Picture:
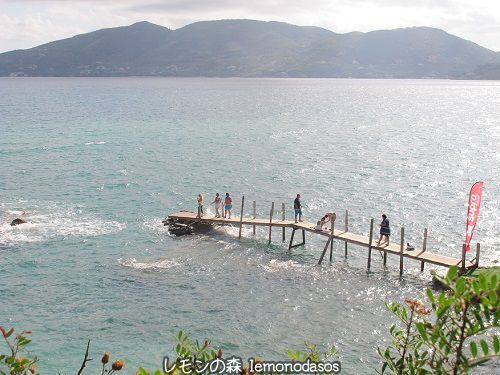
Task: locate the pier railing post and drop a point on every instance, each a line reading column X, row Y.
column 332, row 228
column 463, row 257
column 346, row 227
column 241, row 215
column 401, row 249
column 478, row 250
column 254, row 204
column 283, row 219
column 370, row 239
column 271, row 221
column 424, row 247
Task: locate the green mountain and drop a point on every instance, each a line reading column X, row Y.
column 246, row 48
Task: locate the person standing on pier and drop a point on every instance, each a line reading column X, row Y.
column 228, row 206
column 297, row 206
column 385, row 230
column 200, row 205
column 218, row 204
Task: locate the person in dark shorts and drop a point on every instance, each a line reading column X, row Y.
column 385, row 230
column 297, row 206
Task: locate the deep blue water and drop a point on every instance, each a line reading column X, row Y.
column 97, row 163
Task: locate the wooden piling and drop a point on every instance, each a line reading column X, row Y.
column 283, row 219
column 463, row 257
column 478, row 250
column 271, row 221
column 346, row 227
column 401, row 249
column 424, row 247
column 291, row 239
column 332, row 229
column 324, row 250
column 241, row 215
column 370, row 240
column 254, row 204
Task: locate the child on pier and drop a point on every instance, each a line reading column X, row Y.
column 200, row 205
column 385, row 230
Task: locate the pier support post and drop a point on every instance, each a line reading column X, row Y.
column 370, row 244
column 330, row 239
column 424, row 247
column 478, row 250
column 346, row 227
column 291, row 245
column 463, row 258
column 283, row 219
column 254, row 204
column 291, row 239
column 401, row 249
column 332, row 229
column 271, row 221
column 241, row 215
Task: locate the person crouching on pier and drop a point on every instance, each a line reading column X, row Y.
column 200, row 205
column 385, row 230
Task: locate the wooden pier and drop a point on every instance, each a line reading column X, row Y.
column 333, row 233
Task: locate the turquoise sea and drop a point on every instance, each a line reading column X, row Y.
column 96, row 163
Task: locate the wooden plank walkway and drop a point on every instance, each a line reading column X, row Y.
column 423, row 256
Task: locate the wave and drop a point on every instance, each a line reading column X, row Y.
column 156, row 265
column 95, row 143
column 51, row 221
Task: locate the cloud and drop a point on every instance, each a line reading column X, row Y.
column 27, row 23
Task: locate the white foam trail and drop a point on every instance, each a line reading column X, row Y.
column 155, row 225
column 157, row 265
column 44, row 223
column 95, row 143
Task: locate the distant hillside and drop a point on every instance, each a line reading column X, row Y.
column 246, row 48
column 486, row 71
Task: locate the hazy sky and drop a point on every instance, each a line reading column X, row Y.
column 27, row 23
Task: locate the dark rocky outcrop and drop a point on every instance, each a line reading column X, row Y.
column 180, row 227
column 17, row 222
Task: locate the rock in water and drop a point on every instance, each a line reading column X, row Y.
column 17, row 222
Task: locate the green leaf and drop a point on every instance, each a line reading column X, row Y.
column 421, row 330
column 483, row 281
column 452, row 272
column 496, row 344
column 179, row 335
column 493, row 297
column 384, row 367
column 493, row 282
column 143, row 372
column 430, row 295
column 473, row 349
column 484, row 346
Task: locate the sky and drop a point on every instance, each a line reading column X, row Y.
column 28, row 23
